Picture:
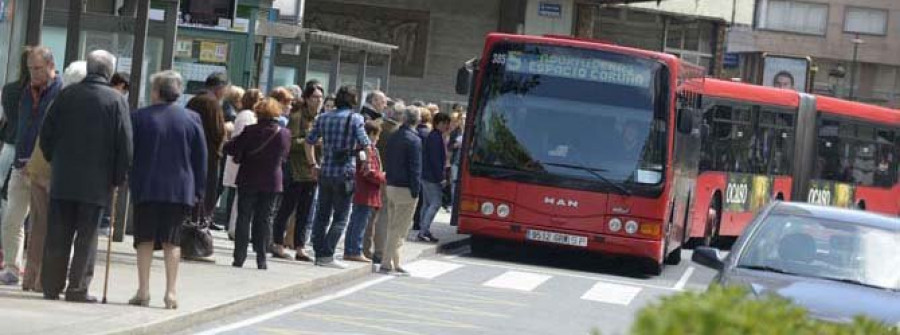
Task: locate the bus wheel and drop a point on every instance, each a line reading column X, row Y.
column 713, row 221
column 479, row 245
column 674, row 258
column 652, row 267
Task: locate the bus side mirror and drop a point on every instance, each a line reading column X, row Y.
column 685, row 123
column 463, row 78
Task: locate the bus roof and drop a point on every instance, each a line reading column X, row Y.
column 750, row 92
column 857, row 110
column 583, row 43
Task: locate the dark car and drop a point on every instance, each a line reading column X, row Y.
column 837, row 263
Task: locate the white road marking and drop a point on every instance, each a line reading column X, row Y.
column 296, row 307
column 684, row 278
column 612, row 293
column 562, row 273
column 515, row 280
column 429, row 269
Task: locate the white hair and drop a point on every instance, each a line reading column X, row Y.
column 101, row 62
column 75, row 73
column 168, row 84
column 411, row 116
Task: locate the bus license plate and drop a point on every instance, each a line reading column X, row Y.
column 558, row 238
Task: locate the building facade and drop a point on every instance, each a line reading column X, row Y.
column 828, row 32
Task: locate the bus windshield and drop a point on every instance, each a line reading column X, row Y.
column 561, row 113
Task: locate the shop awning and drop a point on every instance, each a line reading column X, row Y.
column 345, row 41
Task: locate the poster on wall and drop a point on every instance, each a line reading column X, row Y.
column 786, row 72
column 213, row 52
column 184, row 48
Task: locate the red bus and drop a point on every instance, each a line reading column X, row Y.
column 761, row 143
column 581, row 144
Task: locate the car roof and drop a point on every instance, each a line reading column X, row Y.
column 854, row 216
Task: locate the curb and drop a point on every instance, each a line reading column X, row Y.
column 301, row 290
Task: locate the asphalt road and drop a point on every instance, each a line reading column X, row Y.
column 508, row 291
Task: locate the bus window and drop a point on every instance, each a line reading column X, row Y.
column 775, row 144
column 726, row 144
column 858, row 153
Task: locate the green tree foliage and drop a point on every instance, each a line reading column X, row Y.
column 732, row 310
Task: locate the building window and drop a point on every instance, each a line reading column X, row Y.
column 794, row 16
column 865, row 21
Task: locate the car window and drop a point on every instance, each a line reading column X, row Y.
column 827, row 249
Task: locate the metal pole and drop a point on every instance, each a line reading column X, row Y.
column 334, row 82
column 361, row 75
column 853, row 68
column 35, row 22
column 73, row 37
column 171, row 32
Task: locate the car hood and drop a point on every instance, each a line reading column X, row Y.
column 825, row 299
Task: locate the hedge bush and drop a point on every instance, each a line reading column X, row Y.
column 733, row 311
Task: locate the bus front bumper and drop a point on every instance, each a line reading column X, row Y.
column 596, row 242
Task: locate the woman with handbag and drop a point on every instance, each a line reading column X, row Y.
column 260, row 150
column 168, row 178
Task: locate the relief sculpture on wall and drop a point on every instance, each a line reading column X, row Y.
column 407, row 29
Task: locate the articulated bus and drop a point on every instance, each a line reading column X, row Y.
column 581, row 144
column 760, row 143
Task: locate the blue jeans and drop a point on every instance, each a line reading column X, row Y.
column 334, row 201
column 359, row 220
column 432, row 194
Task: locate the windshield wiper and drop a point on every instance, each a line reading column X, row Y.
column 593, row 171
column 766, row 268
column 855, row 282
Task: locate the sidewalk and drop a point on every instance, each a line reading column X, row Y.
column 206, row 291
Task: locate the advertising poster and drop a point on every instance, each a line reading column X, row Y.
column 213, row 52
column 826, row 193
column 746, row 192
column 786, row 72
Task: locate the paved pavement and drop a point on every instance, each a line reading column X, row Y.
column 509, row 291
column 206, row 291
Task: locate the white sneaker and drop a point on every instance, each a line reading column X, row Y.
column 333, row 265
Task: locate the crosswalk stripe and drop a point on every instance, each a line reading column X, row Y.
column 429, row 269
column 612, row 293
column 515, row 280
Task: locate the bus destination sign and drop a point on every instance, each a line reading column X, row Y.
column 578, row 68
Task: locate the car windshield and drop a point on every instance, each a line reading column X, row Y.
column 573, row 113
column 815, row 247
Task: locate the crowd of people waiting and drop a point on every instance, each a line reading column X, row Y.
column 279, row 166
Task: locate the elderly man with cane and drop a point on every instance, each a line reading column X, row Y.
column 86, row 137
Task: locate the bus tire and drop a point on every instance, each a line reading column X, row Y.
column 479, row 245
column 652, row 267
column 713, row 223
column 674, row 257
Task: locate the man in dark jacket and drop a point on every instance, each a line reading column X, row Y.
column 374, row 106
column 87, row 139
column 37, row 96
column 403, row 165
column 12, row 96
column 433, row 178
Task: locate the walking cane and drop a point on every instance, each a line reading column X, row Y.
column 112, row 232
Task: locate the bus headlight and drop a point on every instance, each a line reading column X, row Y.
column 615, row 225
column 631, row 227
column 487, row 208
column 503, row 210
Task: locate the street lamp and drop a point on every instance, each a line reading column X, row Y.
column 856, row 42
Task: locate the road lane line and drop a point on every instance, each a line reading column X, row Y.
column 684, row 279
column 516, row 280
column 296, row 307
column 612, row 293
column 563, row 274
column 429, row 269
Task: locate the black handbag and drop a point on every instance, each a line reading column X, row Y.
column 196, row 240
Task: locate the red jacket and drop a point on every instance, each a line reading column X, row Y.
column 369, row 179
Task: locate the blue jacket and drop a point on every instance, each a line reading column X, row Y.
column 434, row 157
column 30, row 120
column 169, row 156
column 403, row 160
